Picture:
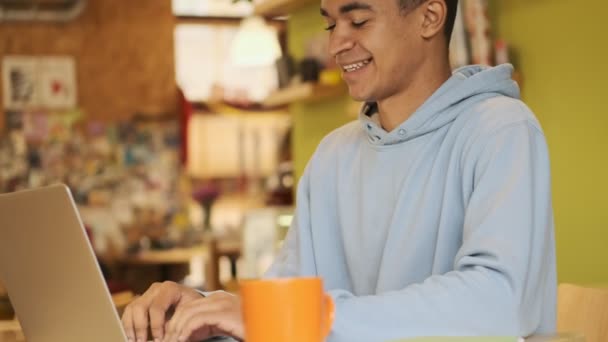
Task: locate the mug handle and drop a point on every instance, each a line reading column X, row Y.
column 330, row 311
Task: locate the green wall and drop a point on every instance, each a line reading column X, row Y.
column 562, row 51
column 311, row 122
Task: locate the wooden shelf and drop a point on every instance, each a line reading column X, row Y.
column 275, row 8
column 304, row 92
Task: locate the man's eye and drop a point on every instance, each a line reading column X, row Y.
column 359, row 23
column 330, row 27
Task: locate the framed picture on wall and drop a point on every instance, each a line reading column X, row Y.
column 19, row 82
column 57, row 82
column 39, row 82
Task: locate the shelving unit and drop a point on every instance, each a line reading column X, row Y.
column 304, row 92
column 276, row 8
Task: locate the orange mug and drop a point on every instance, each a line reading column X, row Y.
column 286, row 310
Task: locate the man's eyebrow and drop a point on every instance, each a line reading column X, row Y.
column 352, row 6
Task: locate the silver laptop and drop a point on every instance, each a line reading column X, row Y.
column 50, row 271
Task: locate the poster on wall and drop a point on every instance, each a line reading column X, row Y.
column 38, row 82
column 19, row 82
column 57, row 82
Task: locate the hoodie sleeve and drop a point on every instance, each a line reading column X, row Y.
column 500, row 270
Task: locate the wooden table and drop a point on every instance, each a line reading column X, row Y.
column 166, row 259
column 560, row 337
column 10, row 331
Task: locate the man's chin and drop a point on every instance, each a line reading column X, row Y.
column 358, row 95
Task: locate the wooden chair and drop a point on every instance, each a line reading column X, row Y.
column 10, row 331
column 222, row 248
column 583, row 310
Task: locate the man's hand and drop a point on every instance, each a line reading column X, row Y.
column 152, row 307
column 218, row 314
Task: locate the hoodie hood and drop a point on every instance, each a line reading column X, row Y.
column 467, row 85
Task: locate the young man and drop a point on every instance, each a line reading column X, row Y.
column 431, row 215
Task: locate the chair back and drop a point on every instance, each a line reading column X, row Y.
column 583, row 310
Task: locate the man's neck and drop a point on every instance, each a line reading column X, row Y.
column 395, row 110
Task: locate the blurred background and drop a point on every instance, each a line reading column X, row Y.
column 182, row 126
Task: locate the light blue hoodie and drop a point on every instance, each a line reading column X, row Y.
column 443, row 226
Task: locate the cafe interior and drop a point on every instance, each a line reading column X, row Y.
column 182, row 128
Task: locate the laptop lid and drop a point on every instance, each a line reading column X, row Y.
column 50, row 271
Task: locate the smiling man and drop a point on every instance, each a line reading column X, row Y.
column 430, row 215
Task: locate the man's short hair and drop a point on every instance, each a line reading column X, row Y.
column 449, row 20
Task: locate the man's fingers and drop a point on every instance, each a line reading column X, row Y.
column 157, row 322
column 204, row 326
column 207, row 307
column 168, row 295
column 180, row 313
column 127, row 323
column 135, row 316
column 140, row 322
column 150, row 310
column 183, row 313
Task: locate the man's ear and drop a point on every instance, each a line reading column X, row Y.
column 434, row 12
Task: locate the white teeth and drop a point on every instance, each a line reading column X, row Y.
column 356, row 66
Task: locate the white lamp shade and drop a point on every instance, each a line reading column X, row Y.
column 255, row 44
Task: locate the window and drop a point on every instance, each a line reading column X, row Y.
column 205, row 69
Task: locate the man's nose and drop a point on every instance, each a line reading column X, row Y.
column 339, row 42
